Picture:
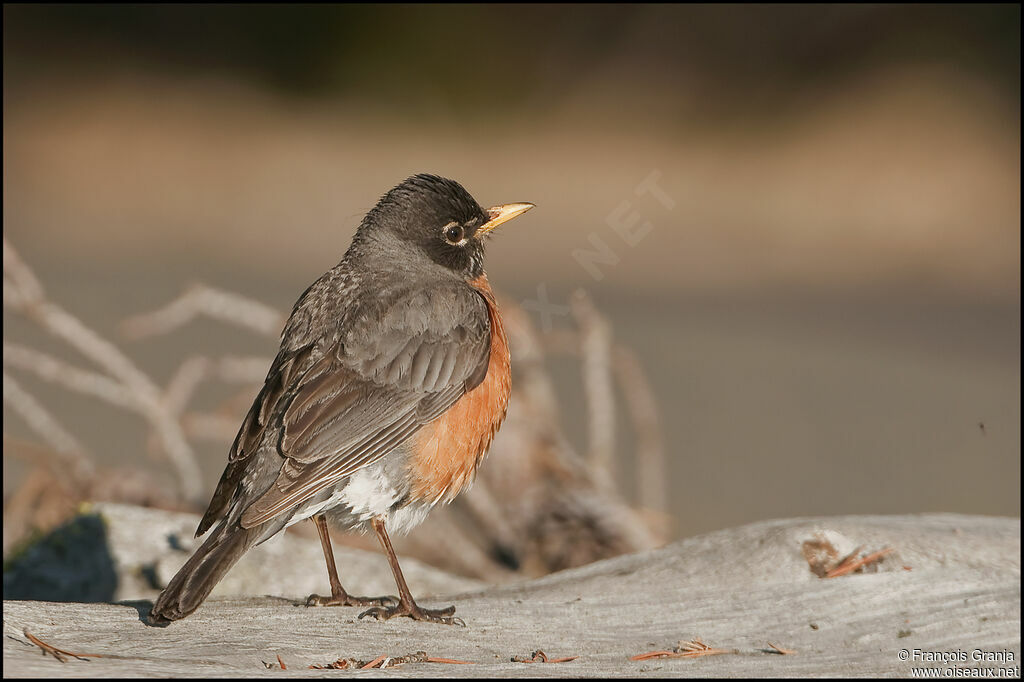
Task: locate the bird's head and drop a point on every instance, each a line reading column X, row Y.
column 440, row 219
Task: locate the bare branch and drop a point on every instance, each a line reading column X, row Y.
column 489, row 514
column 63, row 374
column 21, row 287
column 201, row 300
column 66, row 446
column 240, row 369
column 210, row 427
column 55, row 320
column 642, row 408
column 197, row 369
column 42, row 500
column 184, row 383
column 445, row 542
column 595, row 350
column 649, row 450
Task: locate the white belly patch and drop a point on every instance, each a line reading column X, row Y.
column 368, row 494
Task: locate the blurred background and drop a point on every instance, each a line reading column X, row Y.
column 802, row 221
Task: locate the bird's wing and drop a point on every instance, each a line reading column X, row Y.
column 286, row 371
column 397, row 369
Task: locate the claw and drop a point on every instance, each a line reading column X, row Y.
column 377, row 613
column 348, row 600
column 443, row 616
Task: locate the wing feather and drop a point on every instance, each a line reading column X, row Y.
column 285, row 371
column 382, row 382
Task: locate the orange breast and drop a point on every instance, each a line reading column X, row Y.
column 449, row 449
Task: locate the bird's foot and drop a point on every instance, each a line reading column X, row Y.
column 349, row 600
column 444, row 616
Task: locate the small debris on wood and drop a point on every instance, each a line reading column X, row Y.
column 381, row 661
column 60, row 654
column 825, row 550
column 340, row 664
column 699, row 648
column 830, row 555
column 651, row 654
column 539, row 656
column 280, row 664
column 776, row 649
column 384, row 661
column 686, row 649
column 850, row 563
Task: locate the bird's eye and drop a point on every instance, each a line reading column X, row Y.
column 454, row 233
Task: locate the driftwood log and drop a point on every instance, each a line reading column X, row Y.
column 739, row 597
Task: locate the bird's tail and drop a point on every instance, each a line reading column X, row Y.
column 201, row 573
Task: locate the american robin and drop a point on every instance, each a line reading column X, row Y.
column 391, row 381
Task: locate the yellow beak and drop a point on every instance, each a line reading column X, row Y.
column 502, row 214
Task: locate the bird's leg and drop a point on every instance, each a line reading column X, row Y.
column 406, row 605
column 339, row 597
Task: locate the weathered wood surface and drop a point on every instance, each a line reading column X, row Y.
column 737, row 589
column 117, row 552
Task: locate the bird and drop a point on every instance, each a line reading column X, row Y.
column 392, row 378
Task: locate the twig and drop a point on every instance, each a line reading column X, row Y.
column 595, row 352
column 489, row 514
column 184, row 383
column 652, row 654
column 27, row 297
column 64, row 445
column 70, row 377
column 446, row 542
column 649, row 450
column 539, row 656
column 380, row 660
column 199, row 368
column 40, row 503
column 641, row 407
column 198, row 300
column 776, row 649
column 383, row 661
column 686, row 649
column 339, row 664
column 59, row 654
column 211, row 427
column 690, row 648
column 21, row 287
column 849, row 564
